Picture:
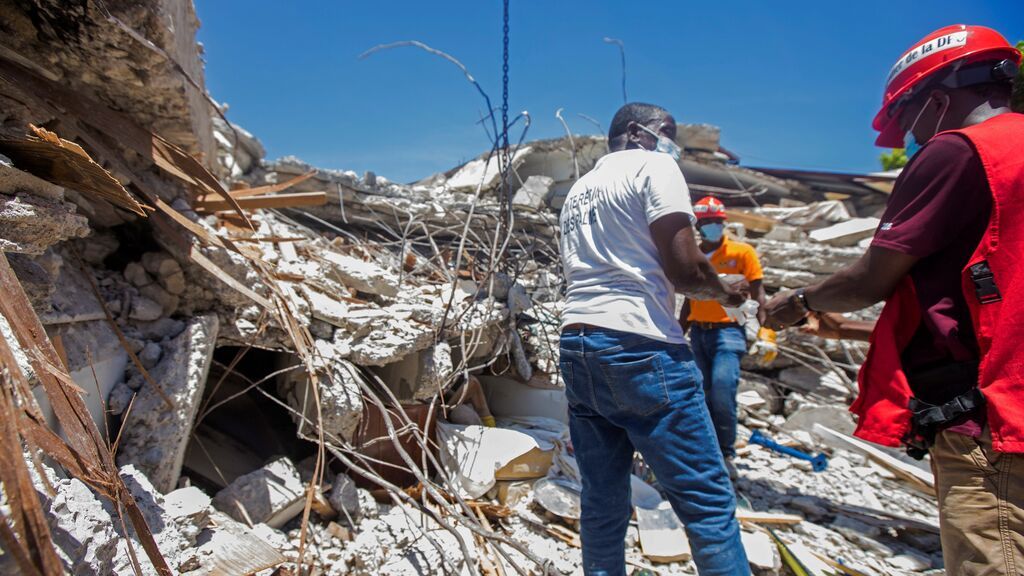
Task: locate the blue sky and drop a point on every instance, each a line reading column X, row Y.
column 791, row 83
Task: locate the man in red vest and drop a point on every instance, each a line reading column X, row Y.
column 945, row 371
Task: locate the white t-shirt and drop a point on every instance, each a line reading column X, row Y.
column 612, row 268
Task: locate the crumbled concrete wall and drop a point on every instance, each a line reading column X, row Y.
column 155, row 436
column 77, row 45
column 30, row 224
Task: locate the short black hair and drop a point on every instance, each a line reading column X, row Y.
column 638, row 112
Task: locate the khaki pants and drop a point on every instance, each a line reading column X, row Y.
column 981, row 506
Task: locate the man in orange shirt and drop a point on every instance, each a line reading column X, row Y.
column 718, row 339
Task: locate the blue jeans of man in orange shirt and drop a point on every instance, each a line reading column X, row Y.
column 718, row 352
column 630, row 393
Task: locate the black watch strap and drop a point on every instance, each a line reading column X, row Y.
column 801, row 296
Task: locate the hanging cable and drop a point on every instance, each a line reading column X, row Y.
column 504, row 154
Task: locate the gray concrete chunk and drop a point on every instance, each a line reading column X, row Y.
column 155, row 436
column 272, row 495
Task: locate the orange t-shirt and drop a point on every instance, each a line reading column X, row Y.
column 732, row 257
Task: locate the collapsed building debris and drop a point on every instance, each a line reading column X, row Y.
column 269, row 351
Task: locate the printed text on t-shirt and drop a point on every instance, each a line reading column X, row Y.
column 578, row 210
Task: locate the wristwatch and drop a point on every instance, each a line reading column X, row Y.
column 800, row 296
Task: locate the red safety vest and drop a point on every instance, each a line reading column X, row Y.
column 994, row 295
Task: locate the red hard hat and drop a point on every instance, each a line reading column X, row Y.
column 709, row 207
column 957, row 45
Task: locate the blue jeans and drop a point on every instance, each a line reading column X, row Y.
column 627, row 393
column 718, row 352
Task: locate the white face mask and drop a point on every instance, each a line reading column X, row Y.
column 665, row 144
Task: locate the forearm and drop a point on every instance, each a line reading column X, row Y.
column 867, row 281
column 757, row 288
column 856, row 330
column 841, row 292
column 700, row 281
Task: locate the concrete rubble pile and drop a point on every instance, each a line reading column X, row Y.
column 270, row 351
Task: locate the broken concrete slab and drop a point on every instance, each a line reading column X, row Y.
column 403, row 377
column 508, row 398
column 828, row 386
column 435, row 366
column 326, row 308
column 662, row 538
column 391, row 338
column 83, row 532
column 341, row 404
column 848, row 233
column 189, row 503
column 837, row 418
column 534, row 192
column 783, row 233
column 359, row 274
column 761, row 550
column 229, row 547
column 805, row 257
column 809, row 217
column 272, row 495
column 155, row 437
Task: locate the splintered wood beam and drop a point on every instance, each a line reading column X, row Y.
column 265, row 201
column 752, row 222
column 271, row 188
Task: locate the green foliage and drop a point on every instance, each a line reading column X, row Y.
column 897, row 158
column 1017, row 101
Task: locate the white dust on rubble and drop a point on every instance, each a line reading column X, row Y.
column 155, row 435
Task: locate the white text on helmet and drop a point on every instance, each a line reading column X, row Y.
column 954, row 40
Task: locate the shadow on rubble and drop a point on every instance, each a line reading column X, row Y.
column 872, row 535
column 240, row 427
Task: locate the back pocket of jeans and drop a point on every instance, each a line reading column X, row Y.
column 638, row 387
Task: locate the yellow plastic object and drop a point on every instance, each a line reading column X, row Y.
column 488, row 421
column 765, row 349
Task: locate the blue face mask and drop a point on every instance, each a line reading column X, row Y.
column 665, row 144
column 910, row 144
column 712, row 232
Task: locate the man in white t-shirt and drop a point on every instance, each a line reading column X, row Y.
column 628, row 246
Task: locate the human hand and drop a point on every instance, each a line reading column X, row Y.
column 732, row 298
column 783, row 310
column 738, row 283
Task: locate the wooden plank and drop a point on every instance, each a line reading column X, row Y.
column 62, row 162
column 767, row 517
column 272, row 188
column 72, row 414
column 199, row 258
column 799, row 560
column 662, row 538
column 922, row 480
column 265, row 201
column 118, row 127
column 28, row 535
column 753, row 222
